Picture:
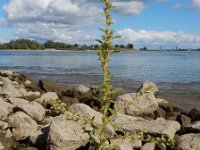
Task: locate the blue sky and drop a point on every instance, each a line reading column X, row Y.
column 151, row 23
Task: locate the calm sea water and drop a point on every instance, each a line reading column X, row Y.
column 177, row 74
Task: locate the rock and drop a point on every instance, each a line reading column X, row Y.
column 3, row 125
column 27, row 82
column 82, row 89
column 160, row 113
column 29, row 148
column 194, row 114
column 31, row 95
column 1, row 146
column 149, row 146
column 51, row 86
column 126, row 144
column 148, row 86
column 136, row 105
column 6, row 72
column 22, row 125
column 45, row 98
column 183, row 119
column 65, row 135
column 9, row 90
column 17, row 101
column 69, row 100
column 34, row 110
column 159, row 126
column 85, row 112
column 5, row 109
column 33, row 87
column 8, row 134
column 188, row 142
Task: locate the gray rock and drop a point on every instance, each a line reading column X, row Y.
column 8, row 134
column 126, row 144
column 9, row 90
column 45, row 98
column 3, row 125
column 31, row 95
column 159, row 126
column 149, row 146
column 17, row 101
column 188, row 142
column 137, row 105
column 85, row 112
column 147, row 87
column 183, row 119
column 1, row 146
column 82, row 89
column 22, row 125
column 6, row 72
column 5, row 108
column 35, row 110
column 66, row 135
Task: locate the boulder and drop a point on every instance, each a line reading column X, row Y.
column 159, row 126
column 9, row 90
column 17, row 101
column 45, row 98
column 69, row 100
column 65, row 135
column 22, row 125
column 183, row 119
column 31, row 95
column 86, row 113
column 3, row 125
column 149, row 146
column 147, row 87
column 188, row 142
column 1, row 146
column 194, row 114
column 137, row 105
column 35, row 110
column 126, row 144
column 82, row 89
column 6, row 72
column 5, row 108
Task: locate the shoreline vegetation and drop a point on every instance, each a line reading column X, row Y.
column 26, row 44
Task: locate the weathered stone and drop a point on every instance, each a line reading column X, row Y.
column 82, row 89
column 149, row 146
column 34, row 110
column 137, row 105
column 188, row 142
column 194, row 114
column 6, row 72
column 160, row 113
column 85, row 112
column 66, row 135
column 9, row 90
column 1, row 146
column 3, row 125
column 183, row 119
column 29, row 148
column 45, row 98
column 126, row 144
column 27, row 82
column 31, row 95
column 17, row 101
column 148, row 86
column 158, row 126
column 69, row 100
column 5, row 108
column 8, row 134
column 22, row 125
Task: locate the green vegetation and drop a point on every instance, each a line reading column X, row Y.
column 34, row 45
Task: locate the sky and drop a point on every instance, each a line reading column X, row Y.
column 150, row 23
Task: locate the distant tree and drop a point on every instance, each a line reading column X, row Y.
column 144, row 48
column 130, row 46
column 122, row 46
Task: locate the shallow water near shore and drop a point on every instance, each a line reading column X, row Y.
column 177, row 74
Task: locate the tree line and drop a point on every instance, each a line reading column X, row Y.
column 34, row 45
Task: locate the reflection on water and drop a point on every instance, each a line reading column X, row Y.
column 176, row 73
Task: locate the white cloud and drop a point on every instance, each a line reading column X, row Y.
column 176, row 7
column 129, row 8
column 159, row 37
column 195, row 4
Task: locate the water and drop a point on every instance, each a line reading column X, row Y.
column 177, row 74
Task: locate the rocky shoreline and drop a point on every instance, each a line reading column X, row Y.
column 27, row 121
